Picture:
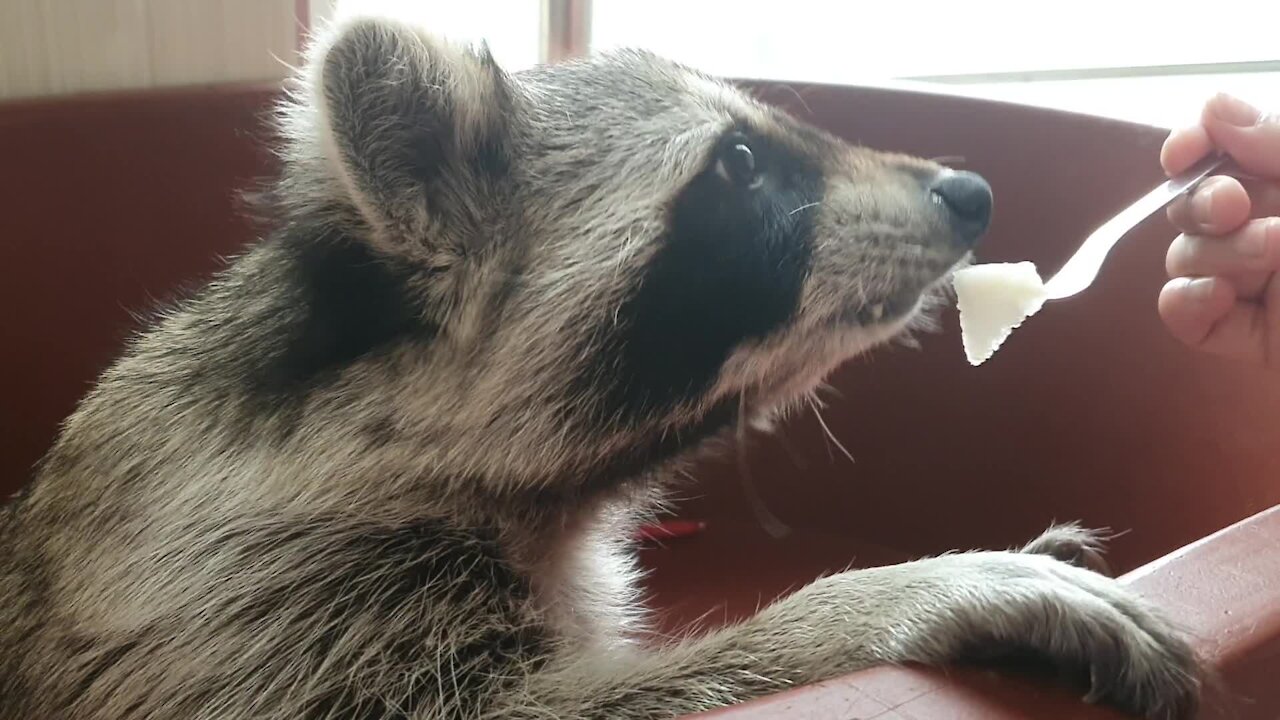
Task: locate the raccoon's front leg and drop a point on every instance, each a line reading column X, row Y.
column 931, row 611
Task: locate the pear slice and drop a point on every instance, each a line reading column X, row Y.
column 993, row 299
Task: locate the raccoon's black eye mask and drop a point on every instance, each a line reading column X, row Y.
column 728, row 270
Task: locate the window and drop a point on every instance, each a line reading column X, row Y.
column 512, row 28
column 1133, row 59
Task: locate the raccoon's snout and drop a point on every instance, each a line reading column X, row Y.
column 968, row 199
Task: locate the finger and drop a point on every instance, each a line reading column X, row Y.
column 1221, row 204
column 1191, row 308
column 1247, row 257
column 1240, row 333
column 1183, row 148
column 1264, row 198
column 1251, row 138
column 1233, row 201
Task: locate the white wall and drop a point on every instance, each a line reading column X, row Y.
column 57, row 47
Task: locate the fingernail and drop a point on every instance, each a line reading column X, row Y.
column 1202, row 204
column 1200, row 289
column 1234, row 111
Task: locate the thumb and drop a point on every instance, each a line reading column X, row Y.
column 1250, row 137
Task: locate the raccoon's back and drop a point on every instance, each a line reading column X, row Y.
column 23, row 614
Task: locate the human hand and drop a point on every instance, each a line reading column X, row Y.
column 1224, row 296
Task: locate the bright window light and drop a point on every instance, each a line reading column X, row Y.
column 1140, row 60
column 510, row 27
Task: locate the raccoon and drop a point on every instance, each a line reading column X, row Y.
column 388, row 462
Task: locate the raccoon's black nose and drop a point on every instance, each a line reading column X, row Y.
column 968, row 197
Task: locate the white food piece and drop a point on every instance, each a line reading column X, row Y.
column 993, row 299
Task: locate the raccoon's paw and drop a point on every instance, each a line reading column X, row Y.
column 1073, row 544
column 1079, row 620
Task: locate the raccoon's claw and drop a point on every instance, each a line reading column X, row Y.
column 1135, row 660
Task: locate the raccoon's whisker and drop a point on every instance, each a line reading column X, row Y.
column 293, row 69
column 767, row 520
column 762, row 94
column 800, row 98
column 830, row 389
column 822, row 422
column 806, row 206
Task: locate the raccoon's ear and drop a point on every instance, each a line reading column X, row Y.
column 412, row 123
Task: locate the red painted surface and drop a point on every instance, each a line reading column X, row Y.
column 108, row 204
column 1226, row 590
column 1089, row 412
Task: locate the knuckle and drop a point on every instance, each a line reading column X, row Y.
column 1255, row 246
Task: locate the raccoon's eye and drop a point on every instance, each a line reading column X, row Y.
column 737, row 163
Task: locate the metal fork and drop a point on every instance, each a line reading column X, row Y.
column 1079, row 272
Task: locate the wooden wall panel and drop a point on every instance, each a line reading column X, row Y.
column 57, row 47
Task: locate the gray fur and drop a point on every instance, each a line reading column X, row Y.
column 426, row 515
